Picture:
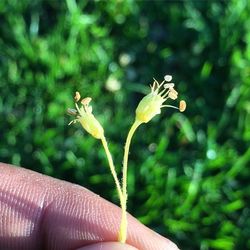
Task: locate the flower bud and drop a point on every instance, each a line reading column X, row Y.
column 86, row 118
column 152, row 103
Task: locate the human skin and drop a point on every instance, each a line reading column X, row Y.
column 40, row 212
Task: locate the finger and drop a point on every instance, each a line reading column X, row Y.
column 108, row 246
column 38, row 210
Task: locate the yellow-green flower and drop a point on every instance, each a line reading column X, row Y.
column 85, row 117
column 152, row 103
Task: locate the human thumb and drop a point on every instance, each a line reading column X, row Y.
column 108, row 246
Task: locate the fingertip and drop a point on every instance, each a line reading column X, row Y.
column 68, row 215
column 108, row 246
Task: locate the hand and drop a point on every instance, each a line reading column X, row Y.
column 40, row 212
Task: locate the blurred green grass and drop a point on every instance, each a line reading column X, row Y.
column 188, row 173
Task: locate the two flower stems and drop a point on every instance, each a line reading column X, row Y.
column 148, row 107
column 122, row 191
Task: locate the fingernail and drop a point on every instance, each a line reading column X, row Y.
column 172, row 246
column 108, row 246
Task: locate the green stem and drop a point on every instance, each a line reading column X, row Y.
column 112, row 169
column 123, row 226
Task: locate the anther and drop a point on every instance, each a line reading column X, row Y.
column 173, row 91
column 182, row 106
column 168, row 85
column 72, row 112
column 77, row 96
column 172, row 95
column 86, row 101
column 167, row 78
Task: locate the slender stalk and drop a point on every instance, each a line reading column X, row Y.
column 112, row 169
column 123, row 226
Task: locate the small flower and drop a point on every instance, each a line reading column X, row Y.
column 152, row 103
column 85, row 117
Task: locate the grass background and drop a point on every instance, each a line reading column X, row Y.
column 188, row 172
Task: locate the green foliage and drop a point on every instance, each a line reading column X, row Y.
column 188, row 173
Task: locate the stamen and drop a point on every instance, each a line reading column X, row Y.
column 77, row 96
column 167, row 86
column 161, row 83
column 162, row 92
column 173, row 91
column 165, row 95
